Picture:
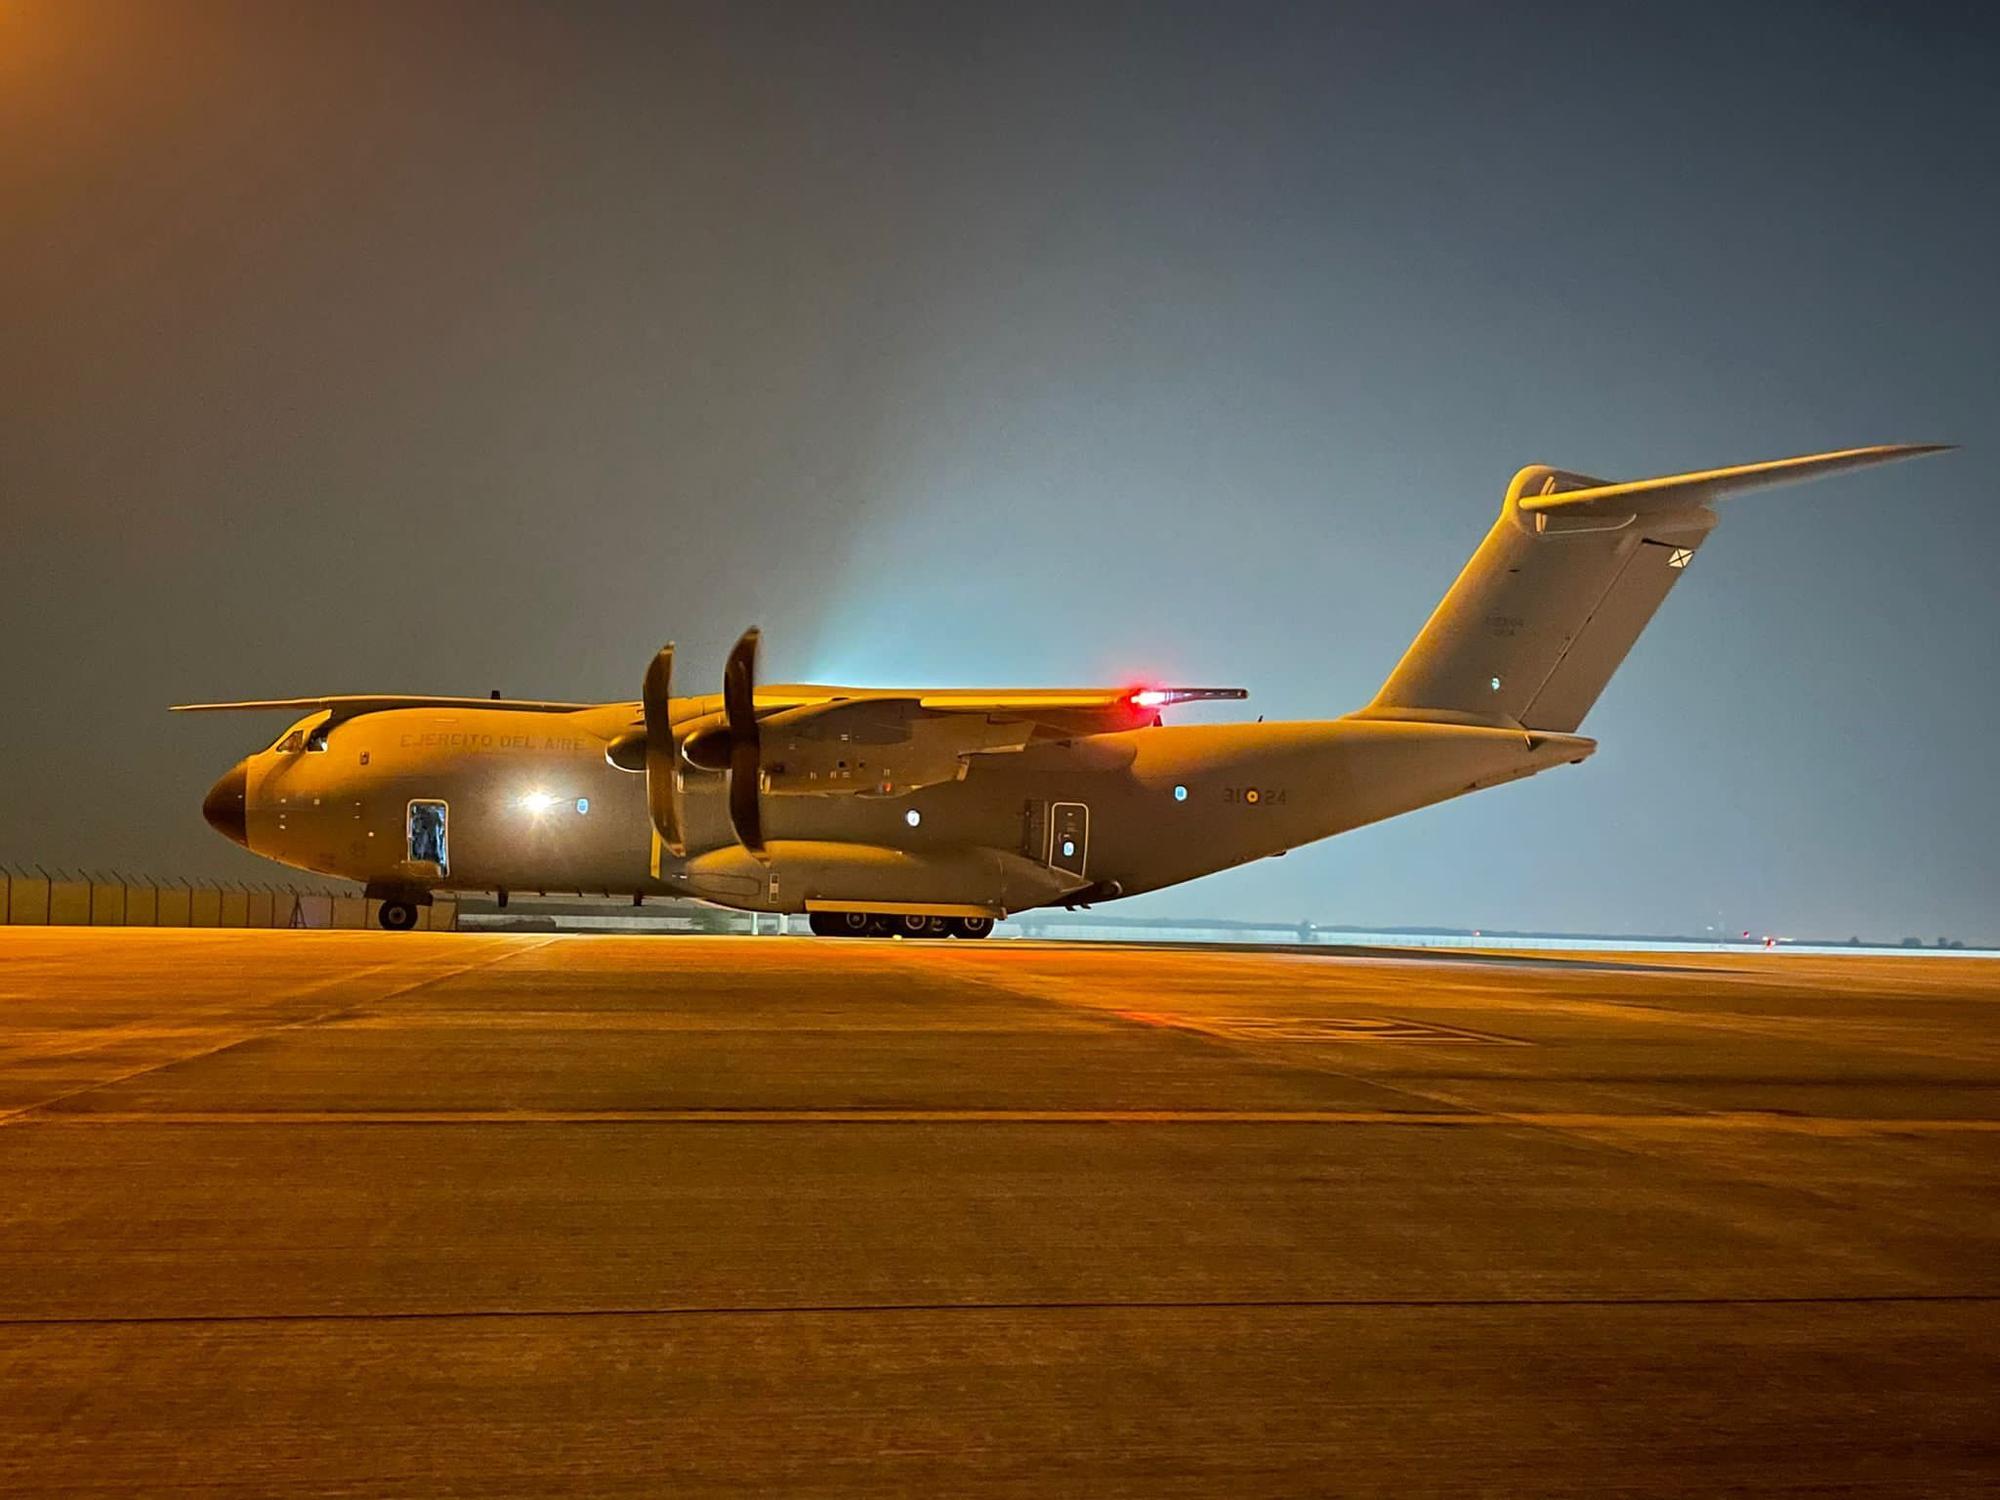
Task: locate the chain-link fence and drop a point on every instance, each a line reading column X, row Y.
column 36, row 897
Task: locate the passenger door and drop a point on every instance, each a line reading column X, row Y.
column 427, row 848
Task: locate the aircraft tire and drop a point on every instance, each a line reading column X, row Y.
column 397, row 916
column 971, row 927
column 844, row 924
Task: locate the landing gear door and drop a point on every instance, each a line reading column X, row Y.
column 1069, row 837
column 428, row 851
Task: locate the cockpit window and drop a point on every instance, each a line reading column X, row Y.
column 317, row 739
column 289, row 745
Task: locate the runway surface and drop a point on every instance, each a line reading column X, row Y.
column 365, row 1213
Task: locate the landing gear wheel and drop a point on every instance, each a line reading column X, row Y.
column 971, row 927
column 877, row 926
column 398, row 916
column 914, row 925
column 846, row 924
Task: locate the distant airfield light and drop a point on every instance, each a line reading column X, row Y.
column 538, row 802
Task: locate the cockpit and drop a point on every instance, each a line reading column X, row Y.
column 308, row 736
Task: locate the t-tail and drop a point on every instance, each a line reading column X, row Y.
column 1564, row 582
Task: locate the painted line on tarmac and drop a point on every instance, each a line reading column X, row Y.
column 1737, row 1120
column 221, row 1041
column 1046, row 1305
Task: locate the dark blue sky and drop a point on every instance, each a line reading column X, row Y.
column 437, row 347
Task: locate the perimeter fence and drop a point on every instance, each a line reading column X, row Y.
column 32, row 896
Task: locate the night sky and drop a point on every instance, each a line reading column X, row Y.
column 440, row 347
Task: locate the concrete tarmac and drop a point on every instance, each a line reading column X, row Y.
column 481, row 1214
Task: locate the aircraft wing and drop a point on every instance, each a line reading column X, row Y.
column 885, row 743
column 1071, row 711
column 1053, row 711
column 1034, row 700
column 347, row 705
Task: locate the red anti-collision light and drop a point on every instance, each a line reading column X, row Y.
column 1161, row 697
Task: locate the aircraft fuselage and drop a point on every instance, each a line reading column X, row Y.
column 529, row 803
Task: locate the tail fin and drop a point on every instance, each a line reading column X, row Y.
column 1563, row 584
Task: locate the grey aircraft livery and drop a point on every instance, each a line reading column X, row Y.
column 932, row 812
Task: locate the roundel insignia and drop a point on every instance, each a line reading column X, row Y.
column 1251, row 794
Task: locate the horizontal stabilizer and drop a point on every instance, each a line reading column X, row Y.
column 1642, row 497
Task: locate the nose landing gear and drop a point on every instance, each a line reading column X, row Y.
column 398, row 912
column 398, row 916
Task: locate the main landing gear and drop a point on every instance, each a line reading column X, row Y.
column 910, row 925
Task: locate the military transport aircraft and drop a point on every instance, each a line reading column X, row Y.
column 931, row 812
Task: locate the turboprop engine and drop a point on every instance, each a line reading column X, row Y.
column 861, row 745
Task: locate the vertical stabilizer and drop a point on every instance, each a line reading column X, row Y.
column 1562, row 586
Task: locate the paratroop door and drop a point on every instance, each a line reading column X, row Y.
column 1069, row 837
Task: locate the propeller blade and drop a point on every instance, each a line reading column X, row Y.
column 663, row 772
column 746, row 754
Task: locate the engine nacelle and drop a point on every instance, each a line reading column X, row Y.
column 627, row 751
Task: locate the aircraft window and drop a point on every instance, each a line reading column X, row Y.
column 289, row 745
column 317, row 739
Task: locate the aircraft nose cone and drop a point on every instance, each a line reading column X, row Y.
column 223, row 806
